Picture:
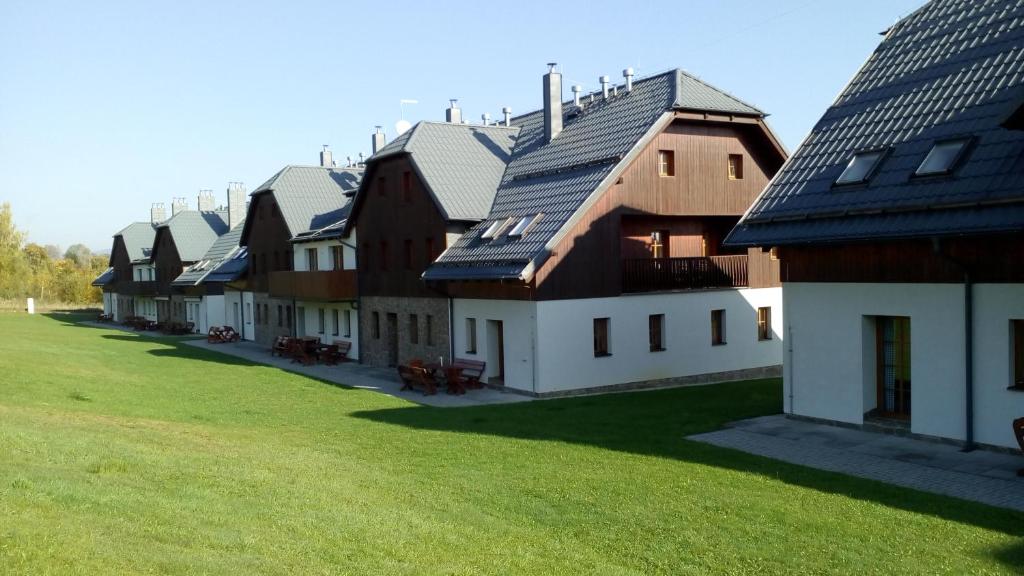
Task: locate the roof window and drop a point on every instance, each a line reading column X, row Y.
column 861, row 167
column 496, row 228
column 525, row 224
column 943, row 157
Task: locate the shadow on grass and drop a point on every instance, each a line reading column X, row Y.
column 654, row 423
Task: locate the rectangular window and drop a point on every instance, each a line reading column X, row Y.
column 735, row 167
column 666, row 163
column 429, row 244
column 1018, row 352
column 289, row 260
column 320, row 320
column 280, row 316
column 257, row 314
column 334, row 321
column 656, row 332
column 471, row 335
column 601, row 344
column 382, row 186
column 348, row 323
column 408, row 254
column 311, row 263
column 717, row 327
column 773, row 253
column 288, row 315
column 414, row 329
column 376, row 326
column 861, row 167
column 407, row 186
column 764, row 323
column 277, row 260
column 365, row 264
column 383, row 255
column 337, row 258
column 430, row 330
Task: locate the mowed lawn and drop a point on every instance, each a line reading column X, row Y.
column 121, row 454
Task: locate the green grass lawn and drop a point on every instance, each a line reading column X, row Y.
column 122, row 454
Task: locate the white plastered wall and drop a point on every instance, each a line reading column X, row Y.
column 312, row 323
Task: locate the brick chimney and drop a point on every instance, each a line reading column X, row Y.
column 157, row 213
column 205, row 201
column 178, row 205
column 552, row 102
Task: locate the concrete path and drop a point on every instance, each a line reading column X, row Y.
column 150, row 333
column 982, row 476
column 357, row 375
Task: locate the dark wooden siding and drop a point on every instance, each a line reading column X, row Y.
column 268, row 242
column 988, row 258
column 167, row 263
column 386, row 222
column 122, row 264
column 587, row 262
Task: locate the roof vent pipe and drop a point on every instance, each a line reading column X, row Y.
column 552, row 102
column 486, row 119
column 508, row 115
column 378, row 140
column 360, row 159
column 576, row 89
column 453, row 114
column 628, row 75
column 604, row 86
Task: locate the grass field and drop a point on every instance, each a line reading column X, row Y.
column 121, row 454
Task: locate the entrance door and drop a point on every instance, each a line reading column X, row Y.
column 235, row 315
column 248, row 330
column 496, row 352
column 392, row 339
column 892, row 334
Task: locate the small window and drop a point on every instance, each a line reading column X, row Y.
column 717, row 327
column 659, row 243
column 376, row 325
column 497, row 227
column 430, row 330
column 383, row 255
column 735, row 167
column 429, row 246
column 382, row 188
column 257, row 319
column 288, row 259
column 601, row 347
column 320, row 321
column 773, row 254
column 943, row 157
column 764, row 323
column 337, row 258
column 526, row 223
column 414, row 329
column 348, row 323
column 407, row 186
column 280, row 315
column 408, row 254
column 365, row 264
column 656, row 332
column 288, row 314
column 266, row 314
column 861, row 167
column 1017, row 327
column 311, row 263
column 666, row 163
column 334, row 322
column 471, row 335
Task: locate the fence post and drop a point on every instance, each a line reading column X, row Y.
column 31, row 305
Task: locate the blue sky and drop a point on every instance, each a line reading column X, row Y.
column 107, row 107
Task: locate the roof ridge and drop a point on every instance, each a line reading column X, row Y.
column 713, row 87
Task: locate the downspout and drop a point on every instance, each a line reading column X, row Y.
column 451, row 329
column 968, row 345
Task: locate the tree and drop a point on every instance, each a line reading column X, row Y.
column 53, row 251
column 13, row 267
column 79, row 254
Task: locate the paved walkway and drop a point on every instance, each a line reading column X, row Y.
column 123, row 328
column 982, row 476
column 357, row 375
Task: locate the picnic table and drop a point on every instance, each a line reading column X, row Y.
column 452, row 376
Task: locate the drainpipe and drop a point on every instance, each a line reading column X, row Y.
column 968, row 344
column 451, row 329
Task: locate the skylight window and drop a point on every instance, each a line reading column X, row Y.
column 943, row 157
column 524, row 225
column 861, row 167
column 496, row 228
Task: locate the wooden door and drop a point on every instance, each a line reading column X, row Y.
column 496, row 351
column 892, row 354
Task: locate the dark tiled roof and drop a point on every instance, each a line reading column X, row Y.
column 194, row 232
column 460, row 164
column 556, row 178
column 221, row 251
column 138, row 240
column 950, row 69
column 305, row 194
column 105, row 278
column 232, row 268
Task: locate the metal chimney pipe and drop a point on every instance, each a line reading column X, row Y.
column 326, row 158
column 486, row 119
column 576, row 89
column 604, row 86
column 360, row 159
column 628, row 75
column 508, row 115
column 453, row 114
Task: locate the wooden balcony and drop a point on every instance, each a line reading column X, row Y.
column 654, row 274
column 137, row 288
column 323, row 285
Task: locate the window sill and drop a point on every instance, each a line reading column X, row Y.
column 658, row 349
column 765, row 339
column 1016, row 388
column 604, row 355
column 718, row 343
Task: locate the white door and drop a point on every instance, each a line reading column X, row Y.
column 248, row 329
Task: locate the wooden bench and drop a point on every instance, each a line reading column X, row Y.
column 281, row 346
column 303, row 351
column 105, row 318
column 215, row 335
column 414, row 377
column 472, row 371
column 229, row 334
column 344, row 347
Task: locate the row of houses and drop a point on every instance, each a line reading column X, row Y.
column 653, row 232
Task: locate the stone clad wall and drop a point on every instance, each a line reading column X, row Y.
column 374, row 351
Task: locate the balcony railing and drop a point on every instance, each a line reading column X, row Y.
column 136, row 288
column 325, row 285
column 653, row 274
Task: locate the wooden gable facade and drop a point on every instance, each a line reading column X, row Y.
column 267, row 239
